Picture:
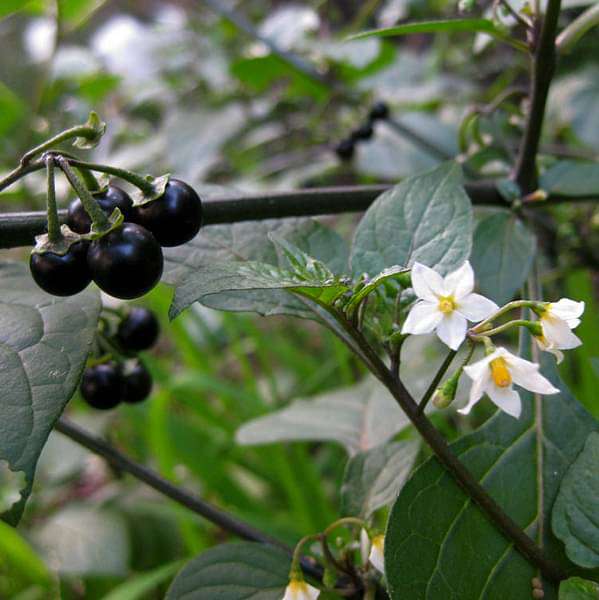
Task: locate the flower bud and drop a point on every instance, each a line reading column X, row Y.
column 445, row 394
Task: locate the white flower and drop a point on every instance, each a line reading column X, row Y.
column 557, row 321
column 377, row 553
column 298, row 589
column 495, row 374
column 446, row 304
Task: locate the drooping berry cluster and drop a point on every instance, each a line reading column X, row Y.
column 122, row 377
column 346, row 147
column 126, row 261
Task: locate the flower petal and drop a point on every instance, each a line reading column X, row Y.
column 476, row 390
column 526, row 375
column 452, row 329
column 423, row 318
column 426, row 283
column 566, row 309
column 476, row 307
column 558, row 335
column 300, row 590
column 507, row 399
column 377, row 554
column 559, row 356
column 460, row 282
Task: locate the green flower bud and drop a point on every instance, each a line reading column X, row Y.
column 445, row 394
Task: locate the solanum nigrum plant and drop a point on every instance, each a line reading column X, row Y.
column 470, row 469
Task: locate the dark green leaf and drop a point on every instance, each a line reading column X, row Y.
column 426, row 218
column 502, row 254
column 44, row 342
column 358, row 417
column 373, row 478
column 576, row 588
column 572, row 178
column 233, row 572
column 575, row 517
column 461, row 555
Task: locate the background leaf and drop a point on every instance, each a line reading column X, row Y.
column 577, row 588
column 358, row 417
column 571, row 178
column 234, row 572
column 427, row 217
column 373, row 478
column 575, row 518
column 502, row 253
column 41, row 363
column 461, row 553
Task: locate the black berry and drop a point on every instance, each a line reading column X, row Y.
column 103, row 386
column 113, row 197
column 175, row 217
column 138, row 384
column 345, row 149
column 138, row 330
column 62, row 274
column 379, row 111
column 362, row 133
column 127, row 262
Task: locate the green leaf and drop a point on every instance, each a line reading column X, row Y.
column 140, row 586
column 234, row 572
column 575, row 518
column 426, row 218
column 44, row 342
column 249, row 241
column 12, row 109
column 502, row 253
column 73, row 13
column 460, row 552
column 373, row 478
column 11, row 484
column 443, row 26
column 358, row 417
column 577, row 588
column 572, row 178
column 11, row 6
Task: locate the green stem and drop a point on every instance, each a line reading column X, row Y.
column 78, row 131
column 436, row 380
column 572, row 33
column 54, row 233
column 510, row 325
column 344, row 521
column 295, row 572
column 20, row 172
column 99, row 219
column 480, row 328
column 137, row 180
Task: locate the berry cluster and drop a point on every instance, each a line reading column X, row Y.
column 126, row 261
column 125, row 379
column 345, row 148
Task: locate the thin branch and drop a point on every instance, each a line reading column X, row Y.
column 436, row 380
column 200, row 507
column 543, row 68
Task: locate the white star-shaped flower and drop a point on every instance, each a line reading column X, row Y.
column 495, row 375
column 377, row 553
column 298, row 589
column 557, row 321
column 446, row 304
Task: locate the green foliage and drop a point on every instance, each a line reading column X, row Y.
column 577, row 588
column 425, row 218
column 576, row 511
column 571, row 178
column 520, row 462
column 42, row 363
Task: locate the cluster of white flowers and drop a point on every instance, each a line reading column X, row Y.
column 446, row 304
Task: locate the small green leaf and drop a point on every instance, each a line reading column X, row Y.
column 443, row 26
column 42, row 359
column 373, row 478
column 359, row 417
column 502, row 254
column 577, row 588
column 571, row 178
column 575, row 518
column 140, row 586
column 426, row 218
column 234, row 572
column 92, row 140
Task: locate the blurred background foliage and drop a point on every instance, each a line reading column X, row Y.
column 185, row 91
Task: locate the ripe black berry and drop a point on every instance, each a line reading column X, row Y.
column 127, row 262
column 379, row 111
column 362, row 133
column 175, row 217
column 345, row 149
column 138, row 330
column 62, row 275
column 103, row 386
column 113, row 197
column 138, row 384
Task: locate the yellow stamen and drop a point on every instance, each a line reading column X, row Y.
column 500, row 372
column 447, row 304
